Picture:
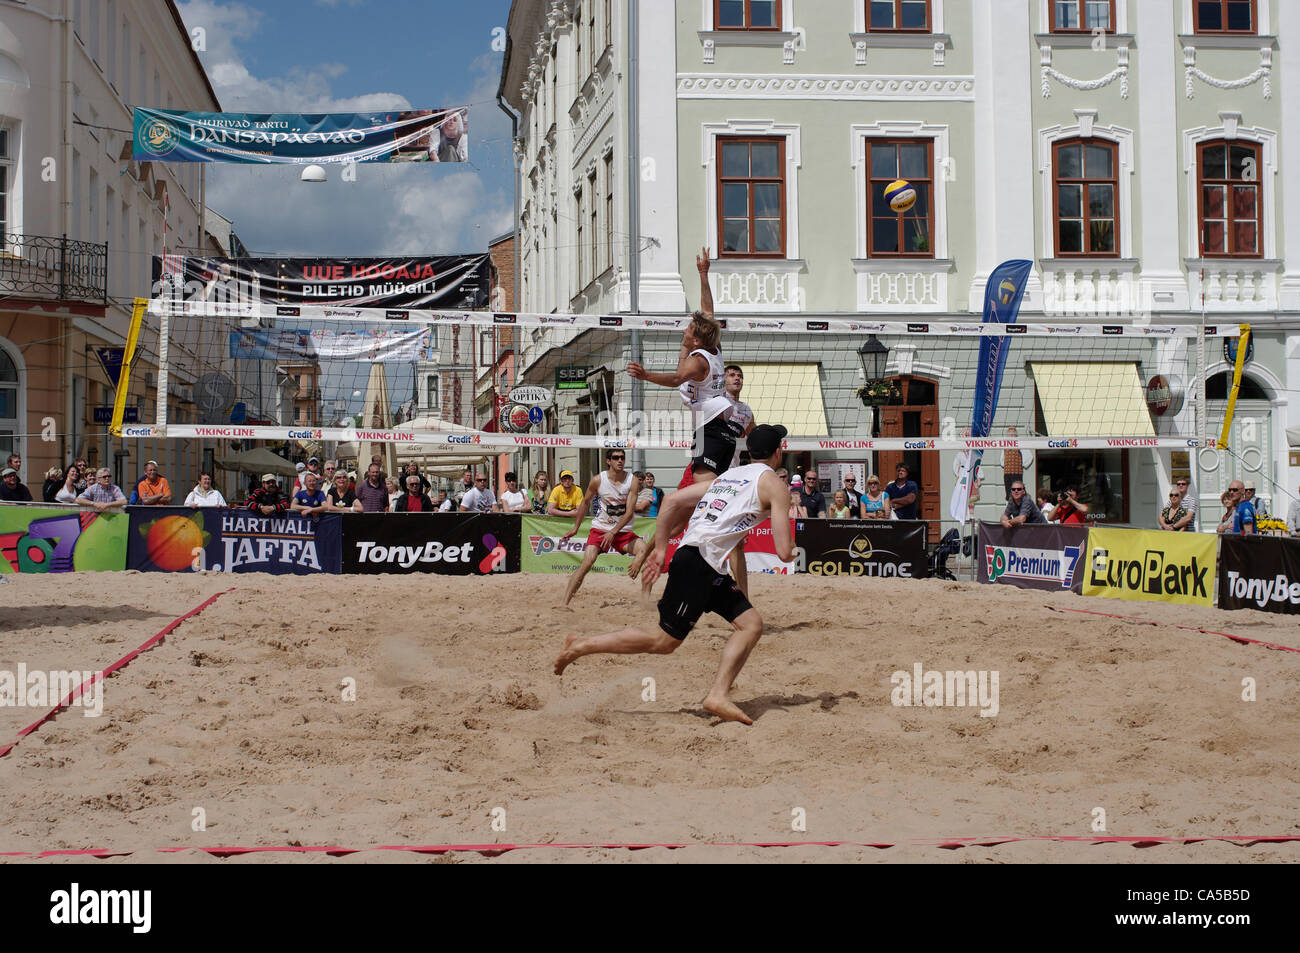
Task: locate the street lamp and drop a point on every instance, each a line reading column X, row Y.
column 874, row 357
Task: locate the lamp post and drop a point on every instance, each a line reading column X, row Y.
column 874, row 357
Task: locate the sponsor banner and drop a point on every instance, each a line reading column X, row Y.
column 543, row 549
column 179, row 539
column 372, row 345
column 1150, row 565
column 340, row 288
column 449, row 544
column 1033, row 556
column 863, row 547
column 760, row 551
column 413, row 135
column 38, row 539
column 1259, row 572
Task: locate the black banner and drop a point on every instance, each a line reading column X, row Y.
column 179, row 539
column 1033, row 556
column 1259, row 572
column 454, row 544
column 445, row 282
column 863, row 547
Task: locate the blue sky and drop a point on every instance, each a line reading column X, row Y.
column 358, row 55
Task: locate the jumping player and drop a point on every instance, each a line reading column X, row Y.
column 615, row 488
column 723, row 512
column 741, row 419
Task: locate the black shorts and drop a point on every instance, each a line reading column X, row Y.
column 715, row 446
column 694, row 588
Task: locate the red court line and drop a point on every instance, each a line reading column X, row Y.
column 100, row 676
column 494, row 850
column 1190, row 628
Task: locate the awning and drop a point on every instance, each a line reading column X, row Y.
column 1092, row 400
column 786, row 394
column 1293, row 436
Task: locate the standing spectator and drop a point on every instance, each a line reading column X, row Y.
column 413, row 469
column 1293, row 515
column 645, row 499
column 814, row 503
column 1248, row 494
column 796, row 498
column 539, row 492
column 205, row 494
column 15, row 463
column 103, row 494
column 352, row 480
column 267, row 498
column 1229, row 500
column 1020, row 508
column 657, row 495
column 297, row 480
column 1013, row 464
column 86, row 478
column 852, row 495
column 1172, row 515
column 1044, row 500
column 513, row 500
column 466, row 484
column 327, row 474
column 564, row 499
column 414, row 499
column 904, row 494
column 875, row 502
column 1069, row 508
column 310, row 501
column 394, row 488
column 481, row 498
column 54, row 480
column 840, row 506
column 11, row 489
column 153, row 489
column 1184, row 486
column 783, row 475
column 372, row 494
column 340, row 495
column 1243, row 518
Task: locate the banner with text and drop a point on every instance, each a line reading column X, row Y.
column 37, row 539
column 863, row 547
column 412, row 135
column 1150, row 565
column 455, row 544
column 178, row 539
column 1259, row 572
column 544, row 549
column 1033, row 556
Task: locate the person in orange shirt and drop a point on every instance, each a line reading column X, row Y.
column 153, row 489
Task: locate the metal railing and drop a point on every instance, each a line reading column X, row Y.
column 61, row 268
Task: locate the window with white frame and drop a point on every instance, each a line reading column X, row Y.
column 917, row 152
column 749, row 166
column 431, row 392
column 7, row 223
column 1086, row 172
column 10, row 388
column 1231, row 172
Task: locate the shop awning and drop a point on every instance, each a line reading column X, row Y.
column 786, row 394
column 1092, row 400
column 1293, row 436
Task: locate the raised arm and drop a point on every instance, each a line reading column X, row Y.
column 706, row 293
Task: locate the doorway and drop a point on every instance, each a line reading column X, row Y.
column 914, row 414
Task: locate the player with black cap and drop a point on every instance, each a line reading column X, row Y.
column 720, row 514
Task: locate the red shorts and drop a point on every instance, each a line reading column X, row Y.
column 623, row 542
column 688, row 478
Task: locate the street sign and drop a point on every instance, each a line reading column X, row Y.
column 104, row 415
column 531, row 395
column 571, row 377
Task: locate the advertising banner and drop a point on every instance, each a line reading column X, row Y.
column 545, row 551
column 760, row 551
column 179, row 539
column 373, row 345
column 863, row 547
column 340, row 285
column 36, row 539
column 413, row 135
column 1033, row 556
column 1150, row 565
column 1259, row 572
column 451, row 544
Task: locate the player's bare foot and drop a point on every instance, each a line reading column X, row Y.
column 567, row 657
column 635, row 568
column 725, row 709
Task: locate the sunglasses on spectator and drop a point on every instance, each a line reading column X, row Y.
column 617, row 456
column 1017, row 489
column 480, row 479
column 873, row 483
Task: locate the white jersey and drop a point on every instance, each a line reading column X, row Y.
column 707, row 398
column 729, row 509
column 613, row 501
column 740, row 417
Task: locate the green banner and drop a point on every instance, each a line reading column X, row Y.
column 544, row 550
column 35, row 539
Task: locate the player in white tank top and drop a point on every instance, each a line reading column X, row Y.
column 741, row 418
column 724, row 510
column 616, row 489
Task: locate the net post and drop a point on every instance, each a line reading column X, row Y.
column 138, row 307
column 164, row 332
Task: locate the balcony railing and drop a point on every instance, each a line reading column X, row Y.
column 60, row 268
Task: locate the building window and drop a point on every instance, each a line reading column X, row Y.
column 593, row 232
column 6, row 174
column 1224, row 16
column 582, row 219
column 9, row 384
column 909, row 234
column 1228, row 180
column 747, row 14
column 751, row 197
column 609, row 210
column 1083, row 16
column 1101, row 477
column 898, row 16
column 609, row 23
column 1085, row 182
column 431, row 392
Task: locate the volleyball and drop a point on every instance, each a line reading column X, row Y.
column 900, row 195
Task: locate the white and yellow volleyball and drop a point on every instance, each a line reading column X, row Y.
column 900, row 195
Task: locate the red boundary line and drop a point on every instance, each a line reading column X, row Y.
column 100, row 676
column 494, row 850
column 1190, row 628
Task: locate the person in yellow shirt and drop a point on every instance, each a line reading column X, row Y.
column 564, row 499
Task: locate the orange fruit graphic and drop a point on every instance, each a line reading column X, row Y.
column 171, row 542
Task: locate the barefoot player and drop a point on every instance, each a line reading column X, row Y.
column 723, row 512
column 616, row 489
